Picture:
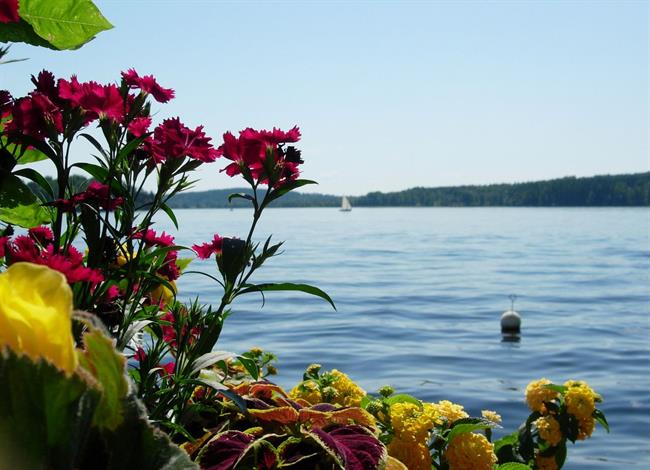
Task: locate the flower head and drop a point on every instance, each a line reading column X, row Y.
column 537, row 394
column 147, row 84
column 580, row 401
column 140, row 126
column 549, row 430
column 545, row 463
column 492, row 416
column 97, row 101
column 35, row 116
column 35, row 314
column 470, row 451
column 150, row 238
column 173, row 139
column 205, row 250
column 449, row 412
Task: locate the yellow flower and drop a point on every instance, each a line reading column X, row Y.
column 549, row 430
column 348, row 393
column 411, row 426
column 580, row 401
column 308, row 391
column 164, row 294
column 491, row 416
column 449, row 411
column 470, row 451
column 545, row 463
column 414, row 455
column 537, row 394
column 35, row 314
column 585, row 428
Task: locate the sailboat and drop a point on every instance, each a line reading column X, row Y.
column 345, row 204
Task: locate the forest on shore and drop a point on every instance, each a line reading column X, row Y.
column 605, row 190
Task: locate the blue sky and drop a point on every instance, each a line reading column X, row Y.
column 391, row 95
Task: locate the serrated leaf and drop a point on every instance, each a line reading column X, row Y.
column 45, row 416
column 107, row 366
column 65, row 24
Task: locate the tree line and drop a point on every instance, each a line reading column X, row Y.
column 605, row 190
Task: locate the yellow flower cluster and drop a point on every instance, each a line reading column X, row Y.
column 347, row 392
column 492, row 416
column 580, row 399
column 35, row 314
column 449, row 411
column 545, row 463
column 308, row 391
column 411, row 426
column 549, row 430
column 470, row 451
column 585, row 428
column 537, row 394
column 342, row 391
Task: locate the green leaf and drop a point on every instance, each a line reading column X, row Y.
column 107, row 366
column 30, row 155
column 183, row 263
column 600, row 417
column 206, row 360
column 288, row 286
column 403, row 398
column 556, row 388
column 284, row 189
column 509, row 440
column 248, row 197
column 64, row 24
column 170, row 214
column 22, row 32
column 98, row 172
column 18, row 205
column 37, row 178
column 513, row 466
column 466, row 425
column 251, row 366
column 44, row 415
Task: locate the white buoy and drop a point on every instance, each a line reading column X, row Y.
column 511, row 320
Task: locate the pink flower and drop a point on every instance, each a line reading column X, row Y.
column 9, row 11
column 169, row 331
column 150, row 238
column 140, row 126
column 112, row 293
column 5, row 103
column 98, row 101
column 140, row 355
column 147, row 84
column 36, row 116
column 70, row 264
column 168, row 368
column 249, row 151
column 172, row 139
column 3, row 244
column 169, row 268
column 41, row 235
column 205, row 250
column 98, row 194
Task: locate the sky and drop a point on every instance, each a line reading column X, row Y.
column 391, row 95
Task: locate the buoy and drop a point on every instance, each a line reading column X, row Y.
column 511, row 320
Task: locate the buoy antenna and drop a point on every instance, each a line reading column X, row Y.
column 512, row 298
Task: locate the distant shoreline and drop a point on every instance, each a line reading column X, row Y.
column 626, row 190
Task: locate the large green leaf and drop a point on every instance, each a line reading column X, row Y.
column 64, row 24
column 107, row 366
column 513, row 466
column 18, row 205
column 45, row 416
column 22, row 32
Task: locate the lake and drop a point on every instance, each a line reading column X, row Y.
column 420, row 291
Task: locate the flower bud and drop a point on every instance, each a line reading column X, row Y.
column 386, row 391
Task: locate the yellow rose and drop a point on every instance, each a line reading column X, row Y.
column 35, row 314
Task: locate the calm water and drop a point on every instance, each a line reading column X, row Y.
column 419, row 294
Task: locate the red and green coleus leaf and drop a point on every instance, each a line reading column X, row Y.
column 352, row 447
column 236, row 450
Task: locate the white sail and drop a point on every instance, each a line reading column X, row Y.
column 345, row 204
